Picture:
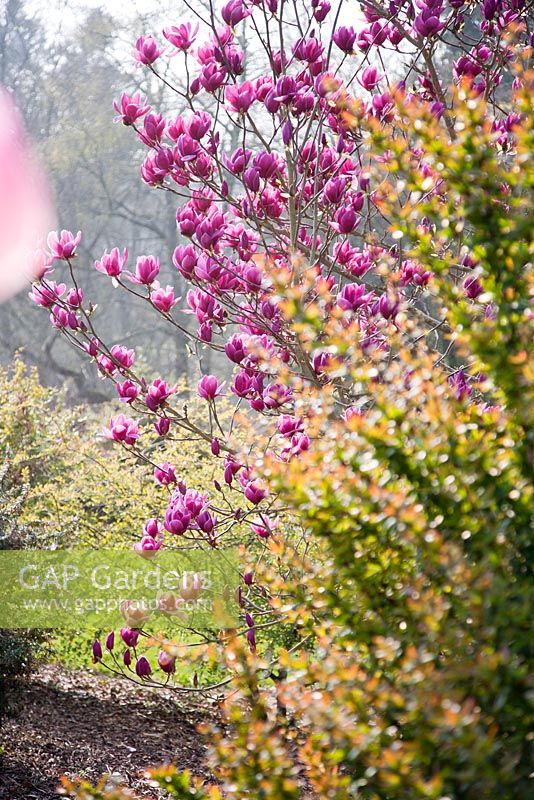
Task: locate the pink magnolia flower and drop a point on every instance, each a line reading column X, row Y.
column 299, row 444
column 163, row 299
column 122, row 429
column 234, row 12
column 181, row 36
column 198, row 125
column 63, row 245
column 128, row 391
column 373, row 36
column 235, row 349
column 334, row 190
column 46, row 294
column 153, row 528
column 412, row 272
column 191, row 499
column 383, row 107
column 252, row 179
column 237, row 161
column 41, row 264
column 289, row 426
column 91, row 347
column 231, row 468
column 206, row 522
column 276, row 395
column 255, row 493
column 370, row 78
column 346, row 220
column 112, row 263
column 162, row 426
column 472, row 287
column 187, row 148
column 427, row 23
column 176, row 128
column 185, row 260
column 146, row 50
column 74, row 298
column 321, row 8
column 352, row 412
column 344, row 38
column 165, row 474
column 153, row 173
column 235, row 58
column 62, row 318
column 129, row 636
column 212, row 77
column 158, row 393
column 242, row 385
column 209, row 387
column 286, row 88
column 153, row 129
column 309, row 50
column 177, row 520
column 120, row 358
column 460, row 382
column 354, row 296
column 130, row 109
column 240, row 97
column 123, row 355
column 146, row 270
column 387, row 306
column 148, row 547
column 251, row 639
column 264, row 526
column 166, row 662
column 135, row 613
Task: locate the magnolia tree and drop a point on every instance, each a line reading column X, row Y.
column 413, row 680
column 295, row 211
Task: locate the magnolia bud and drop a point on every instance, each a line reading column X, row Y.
column 166, row 662
column 97, row 651
column 143, row 668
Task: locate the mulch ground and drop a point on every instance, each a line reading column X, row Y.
column 84, row 724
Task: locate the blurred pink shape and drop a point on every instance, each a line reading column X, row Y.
column 26, row 211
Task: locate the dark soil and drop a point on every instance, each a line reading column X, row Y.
column 80, row 723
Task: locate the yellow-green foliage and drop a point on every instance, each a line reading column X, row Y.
column 31, row 431
column 107, row 496
column 82, row 489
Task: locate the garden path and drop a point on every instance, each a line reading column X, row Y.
column 83, row 723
